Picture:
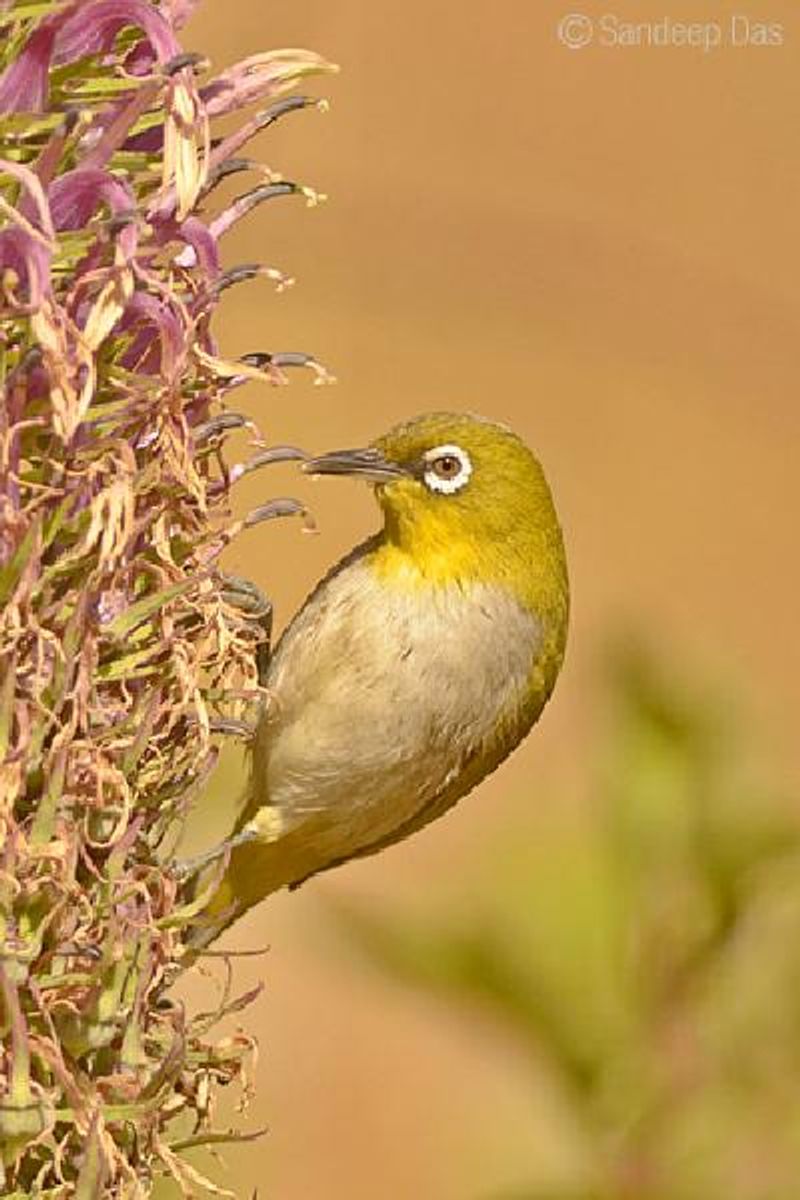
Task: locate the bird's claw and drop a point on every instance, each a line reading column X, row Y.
column 246, row 596
column 255, row 606
column 193, row 866
column 232, row 727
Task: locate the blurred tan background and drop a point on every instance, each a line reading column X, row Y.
column 600, row 247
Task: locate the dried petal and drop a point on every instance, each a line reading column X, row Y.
column 162, row 330
column 24, row 84
column 33, row 206
column 24, row 270
column 91, row 28
column 121, row 654
column 76, row 196
column 261, row 77
column 186, row 144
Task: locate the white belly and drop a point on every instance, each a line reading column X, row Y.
column 378, row 694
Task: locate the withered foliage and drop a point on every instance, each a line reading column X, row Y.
column 121, row 645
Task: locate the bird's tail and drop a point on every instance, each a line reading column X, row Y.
column 251, row 873
column 214, row 917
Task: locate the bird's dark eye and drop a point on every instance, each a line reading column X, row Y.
column 447, row 466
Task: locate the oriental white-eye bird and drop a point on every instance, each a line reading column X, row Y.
column 415, row 666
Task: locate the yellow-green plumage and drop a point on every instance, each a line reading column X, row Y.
column 415, row 667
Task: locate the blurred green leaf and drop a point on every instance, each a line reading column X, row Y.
column 647, row 957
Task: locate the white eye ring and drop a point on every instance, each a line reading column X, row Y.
column 447, row 484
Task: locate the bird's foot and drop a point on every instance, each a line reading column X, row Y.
column 255, row 606
column 193, row 866
column 245, row 595
column 232, row 727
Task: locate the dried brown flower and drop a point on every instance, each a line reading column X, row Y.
column 122, row 647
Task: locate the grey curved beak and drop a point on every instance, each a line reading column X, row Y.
column 369, row 464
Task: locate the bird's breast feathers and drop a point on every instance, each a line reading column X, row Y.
column 385, row 699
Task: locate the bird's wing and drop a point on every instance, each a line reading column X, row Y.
column 473, row 767
column 460, row 781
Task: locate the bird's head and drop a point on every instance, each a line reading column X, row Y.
column 464, row 499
